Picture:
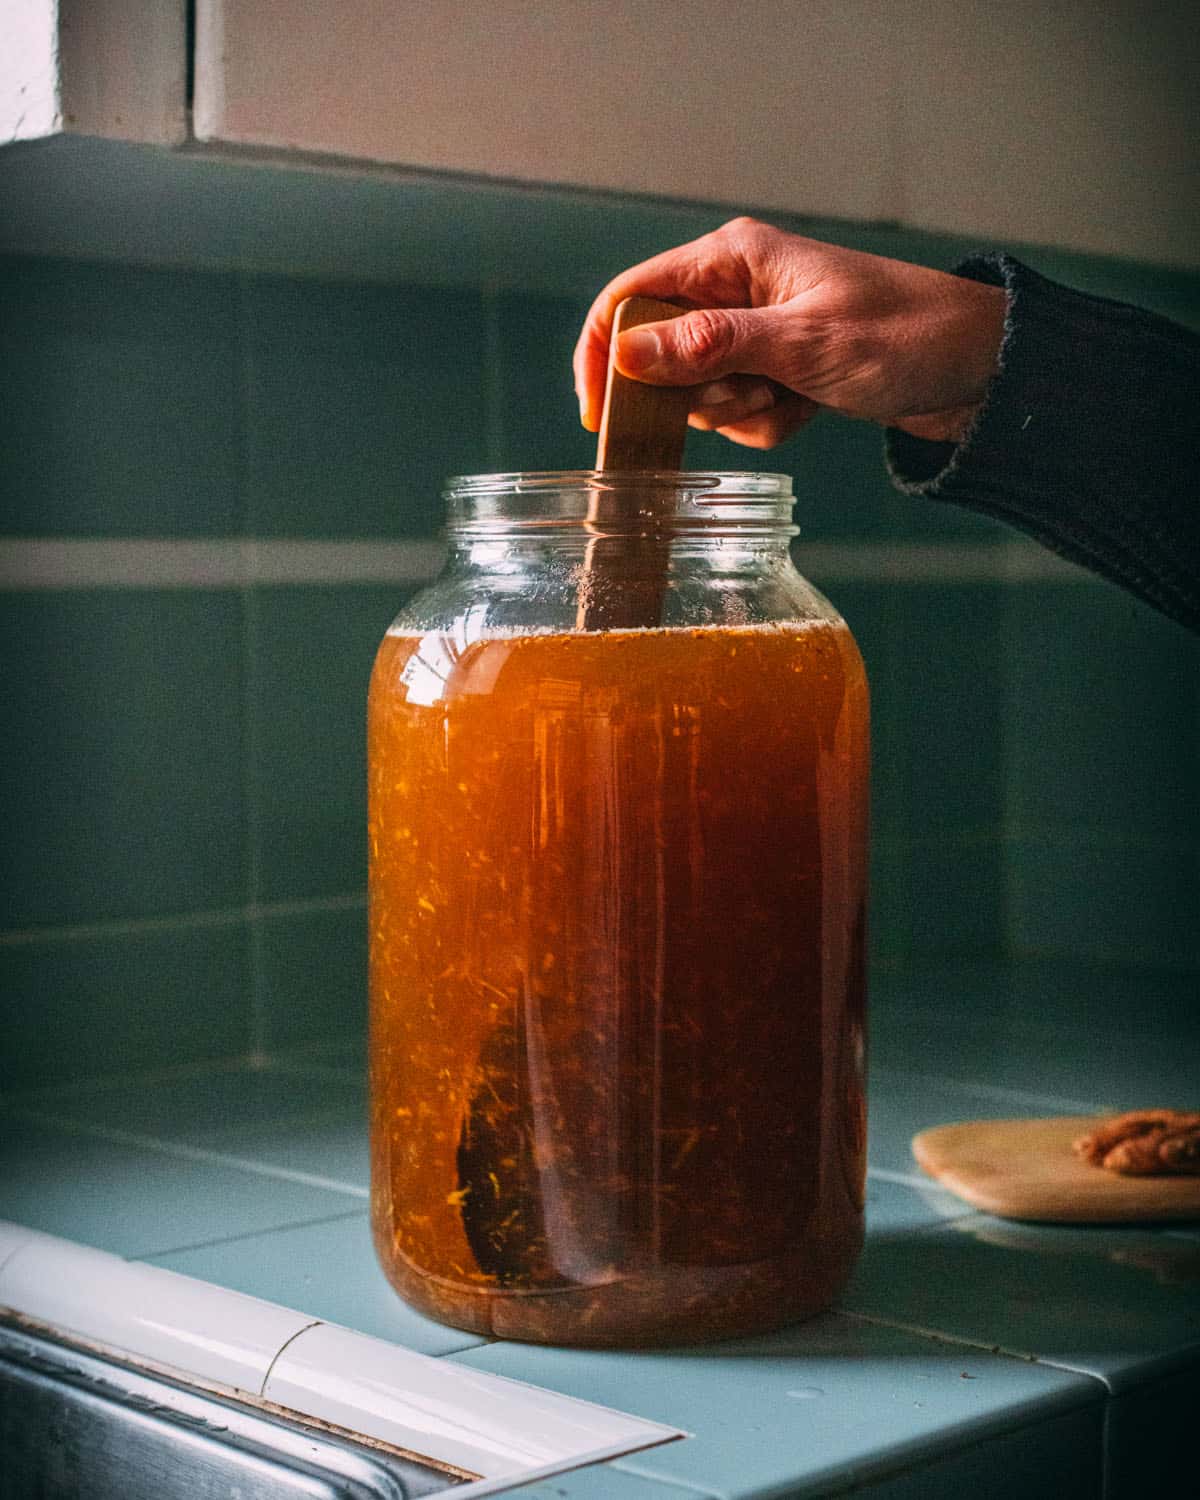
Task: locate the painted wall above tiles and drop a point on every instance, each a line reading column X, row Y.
column 218, row 489
column 1069, row 126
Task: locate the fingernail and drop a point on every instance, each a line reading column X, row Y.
column 716, row 394
column 639, row 350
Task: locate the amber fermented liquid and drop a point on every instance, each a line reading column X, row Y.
column 617, row 928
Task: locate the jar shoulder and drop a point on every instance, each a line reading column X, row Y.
column 472, row 603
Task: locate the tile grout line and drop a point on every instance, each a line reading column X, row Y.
column 898, row 732
column 1011, row 788
column 216, row 917
column 347, row 901
column 288, row 1062
column 920, row 1184
column 1179, row 1357
column 301, row 1068
column 493, row 381
column 251, row 746
column 150, row 1257
column 250, row 653
column 961, row 1341
column 185, row 1152
column 901, row 1179
column 999, row 1092
column 333, row 1115
column 628, row 1464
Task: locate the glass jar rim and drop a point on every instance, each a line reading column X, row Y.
column 687, row 499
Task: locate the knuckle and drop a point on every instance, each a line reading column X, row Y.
column 742, row 224
column 749, row 233
column 705, row 336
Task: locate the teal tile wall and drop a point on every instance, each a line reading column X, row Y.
column 1094, row 663
column 91, row 1001
column 181, row 769
column 121, row 760
column 947, row 650
column 119, row 401
column 871, row 612
column 1102, row 776
column 537, row 416
column 311, row 664
column 360, row 400
column 311, row 975
column 1113, row 899
column 840, row 481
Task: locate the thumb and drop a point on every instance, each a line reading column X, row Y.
column 703, row 346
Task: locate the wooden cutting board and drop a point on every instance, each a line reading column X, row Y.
column 1026, row 1169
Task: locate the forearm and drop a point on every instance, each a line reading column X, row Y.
column 1089, row 438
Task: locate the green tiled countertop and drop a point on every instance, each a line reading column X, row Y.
column 967, row 1352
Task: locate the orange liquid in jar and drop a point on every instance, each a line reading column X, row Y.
column 617, row 928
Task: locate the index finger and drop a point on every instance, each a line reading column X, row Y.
column 691, row 274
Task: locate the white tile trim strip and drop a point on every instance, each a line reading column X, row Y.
column 158, row 563
column 494, row 1426
column 30, row 563
column 501, row 1429
column 1014, row 561
column 145, row 1311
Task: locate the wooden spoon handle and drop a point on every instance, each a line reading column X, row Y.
column 642, row 429
column 642, row 426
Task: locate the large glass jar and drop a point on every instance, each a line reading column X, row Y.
column 617, row 917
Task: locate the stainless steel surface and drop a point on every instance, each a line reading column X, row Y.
column 77, row 1427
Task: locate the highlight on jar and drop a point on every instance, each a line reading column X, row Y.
column 618, row 786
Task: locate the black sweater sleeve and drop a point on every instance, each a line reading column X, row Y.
column 1088, row 439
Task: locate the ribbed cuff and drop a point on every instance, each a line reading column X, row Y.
column 1086, row 439
column 920, row 467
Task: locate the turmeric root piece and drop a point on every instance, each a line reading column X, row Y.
column 1145, row 1143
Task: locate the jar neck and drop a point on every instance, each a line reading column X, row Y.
column 588, row 551
column 519, row 552
column 571, row 508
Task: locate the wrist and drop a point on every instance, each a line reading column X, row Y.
column 985, row 312
column 939, row 426
column 967, row 342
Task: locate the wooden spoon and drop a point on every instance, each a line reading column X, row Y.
column 642, row 426
column 642, row 429
column 624, row 577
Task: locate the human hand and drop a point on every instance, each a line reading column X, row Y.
column 785, row 325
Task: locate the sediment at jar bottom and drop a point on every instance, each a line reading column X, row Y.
column 644, row 1310
column 617, row 980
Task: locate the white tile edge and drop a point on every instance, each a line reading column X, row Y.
column 34, row 563
column 220, row 562
column 504, row 1430
column 147, row 1313
column 12, row 1238
column 474, row 1419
